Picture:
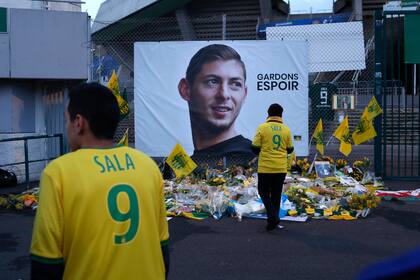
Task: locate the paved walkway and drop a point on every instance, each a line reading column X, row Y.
column 228, row 249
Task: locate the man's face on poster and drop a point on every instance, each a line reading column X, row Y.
column 216, row 95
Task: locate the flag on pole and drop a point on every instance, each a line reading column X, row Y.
column 318, row 136
column 342, row 133
column 364, row 130
column 373, row 109
column 124, row 139
column 122, row 104
column 180, row 162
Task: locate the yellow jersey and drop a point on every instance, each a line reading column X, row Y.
column 273, row 138
column 102, row 213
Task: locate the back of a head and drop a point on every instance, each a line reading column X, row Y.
column 210, row 54
column 275, row 110
column 98, row 105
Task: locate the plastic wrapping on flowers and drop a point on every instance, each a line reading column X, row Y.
column 214, row 195
column 347, row 195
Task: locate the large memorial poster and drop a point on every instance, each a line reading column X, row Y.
column 213, row 95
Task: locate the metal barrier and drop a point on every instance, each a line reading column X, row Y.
column 397, row 147
column 25, row 140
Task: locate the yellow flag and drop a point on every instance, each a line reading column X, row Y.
column 318, row 137
column 113, row 84
column 190, row 215
column 364, row 130
column 180, row 162
column 373, row 109
column 342, row 133
column 124, row 139
column 122, row 104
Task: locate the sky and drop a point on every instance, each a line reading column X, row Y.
column 296, row 6
column 91, row 6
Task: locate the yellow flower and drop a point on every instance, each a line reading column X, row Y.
column 310, row 211
column 328, row 212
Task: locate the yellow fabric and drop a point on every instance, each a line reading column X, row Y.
column 342, row 133
column 124, row 139
column 89, row 201
column 187, row 215
column 373, row 109
column 364, row 130
column 113, row 86
column 346, row 217
column 180, row 162
column 318, row 136
column 273, row 138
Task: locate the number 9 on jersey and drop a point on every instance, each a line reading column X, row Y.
column 132, row 215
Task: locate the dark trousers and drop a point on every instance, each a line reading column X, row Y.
column 270, row 186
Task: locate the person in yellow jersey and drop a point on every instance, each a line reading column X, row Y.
column 272, row 142
column 101, row 212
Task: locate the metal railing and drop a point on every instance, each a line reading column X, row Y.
column 26, row 161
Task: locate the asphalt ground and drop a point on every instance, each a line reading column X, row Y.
column 228, row 249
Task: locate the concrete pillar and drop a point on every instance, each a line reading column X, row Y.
column 358, row 9
column 265, row 10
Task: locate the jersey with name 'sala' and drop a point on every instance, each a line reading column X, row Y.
column 102, row 213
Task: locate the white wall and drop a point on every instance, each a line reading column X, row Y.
column 22, row 4
column 332, row 46
column 12, row 152
column 65, row 6
column 29, row 4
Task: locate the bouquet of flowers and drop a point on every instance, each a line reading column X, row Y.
column 363, row 164
column 297, row 195
column 341, row 163
column 304, row 165
column 363, row 201
column 216, row 181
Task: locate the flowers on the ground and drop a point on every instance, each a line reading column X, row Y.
column 341, row 163
column 362, row 201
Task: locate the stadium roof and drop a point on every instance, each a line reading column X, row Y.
column 112, row 11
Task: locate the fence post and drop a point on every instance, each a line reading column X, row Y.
column 378, row 94
column 224, row 27
column 26, row 162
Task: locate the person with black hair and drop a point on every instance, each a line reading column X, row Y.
column 272, row 142
column 215, row 89
column 101, row 210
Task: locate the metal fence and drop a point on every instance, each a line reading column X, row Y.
column 28, row 165
column 398, row 145
column 114, row 50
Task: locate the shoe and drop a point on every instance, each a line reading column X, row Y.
column 279, row 226
column 270, row 227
